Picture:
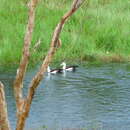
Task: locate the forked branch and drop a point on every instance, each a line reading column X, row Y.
column 54, row 45
column 23, row 105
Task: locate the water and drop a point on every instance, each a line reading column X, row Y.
column 95, row 97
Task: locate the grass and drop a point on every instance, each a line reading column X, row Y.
column 98, row 31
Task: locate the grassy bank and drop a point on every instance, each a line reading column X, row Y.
column 99, row 31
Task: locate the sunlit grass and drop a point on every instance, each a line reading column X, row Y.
column 100, row 28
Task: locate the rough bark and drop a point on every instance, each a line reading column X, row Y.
column 55, row 43
column 24, row 104
column 4, row 122
column 18, row 83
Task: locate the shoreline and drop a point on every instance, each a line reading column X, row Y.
column 89, row 59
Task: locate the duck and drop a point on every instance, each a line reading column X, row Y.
column 54, row 71
column 68, row 68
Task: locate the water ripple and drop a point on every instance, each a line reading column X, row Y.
column 92, row 96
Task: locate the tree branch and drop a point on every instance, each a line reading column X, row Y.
column 4, row 122
column 23, row 105
column 37, row 45
column 18, row 83
column 54, row 45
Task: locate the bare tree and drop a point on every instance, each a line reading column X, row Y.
column 23, row 104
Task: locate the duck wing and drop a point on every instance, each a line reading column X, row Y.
column 57, row 70
column 72, row 67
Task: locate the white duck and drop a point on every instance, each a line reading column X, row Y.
column 68, row 68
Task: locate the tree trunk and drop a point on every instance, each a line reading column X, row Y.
column 4, row 122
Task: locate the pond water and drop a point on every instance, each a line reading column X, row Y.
column 94, row 97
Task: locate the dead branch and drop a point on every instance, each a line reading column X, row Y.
column 23, row 105
column 18, row 83
column 37, row 45
column 54, row 45
column 4, row 122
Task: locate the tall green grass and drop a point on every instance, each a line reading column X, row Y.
column 99, row 30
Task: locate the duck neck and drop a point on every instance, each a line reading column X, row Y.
column 64, row 66
column 48, row 69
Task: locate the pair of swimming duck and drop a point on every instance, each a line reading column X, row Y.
column 63, row 69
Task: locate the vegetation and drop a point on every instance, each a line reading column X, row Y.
column 99, row 31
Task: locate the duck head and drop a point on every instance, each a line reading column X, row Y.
column 64, row 65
